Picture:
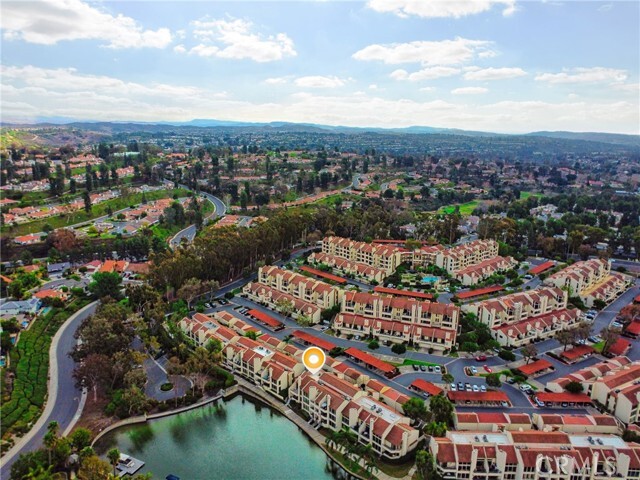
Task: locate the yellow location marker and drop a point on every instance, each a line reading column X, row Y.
column 313, row 359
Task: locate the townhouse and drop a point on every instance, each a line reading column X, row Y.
column 398, row 320
column 590, row 280
column 310, row 290
column 533, row 455
column 619, row 392
column 334, row 403
column 466, row 254
column 521, row 318
column 577, row 423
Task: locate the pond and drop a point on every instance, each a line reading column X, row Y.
column 238, row 439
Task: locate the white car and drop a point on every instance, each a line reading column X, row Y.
column 476, row 388
column 525, row 388
column 474, row 370
column 483, row 388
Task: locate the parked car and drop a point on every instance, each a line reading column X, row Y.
column 483, row 388
column 539, row 402
column 504, row 403
column 453, row 387
column 437, row 369
column 430, row 368
column 460, row 386
column 481, row 358
column 467, row 387
column 357, row 337
column 474, row 371
column 511, row 380
column 487, row 368
column 528, row 276
column 423, row 368
column 415, row 368
column 475, row 388
column 525, row 387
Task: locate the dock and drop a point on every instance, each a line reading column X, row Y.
column 128, row 465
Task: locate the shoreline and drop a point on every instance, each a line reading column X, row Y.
column 245, row 388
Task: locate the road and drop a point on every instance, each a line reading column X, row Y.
column 189, row 233
column 66, row 397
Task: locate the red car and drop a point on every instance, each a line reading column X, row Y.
column 481, row 358
column 487, row 368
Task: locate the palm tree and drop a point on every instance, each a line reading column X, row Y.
column 51, row 437
column 332, row 439
column 113, row 455
column 39, row 473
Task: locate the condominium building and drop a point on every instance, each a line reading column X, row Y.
column 577, row 423
column 477, row 272
column 398, row 320
column 521, row 318
column 512, row 308
column 590, row 280
column 466, row 254
column 588, row 375
column 619, row 392
column 335, row 404
column 283, row 302
column 533, row 455
column 308, row 289
column 369, row 260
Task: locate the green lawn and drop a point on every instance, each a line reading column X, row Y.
column 525, row 195
column 465, row 208
column 97, row 211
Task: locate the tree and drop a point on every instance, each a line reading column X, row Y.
column 63, row 240
column 93, row 372
column 447, row 378
column 566, row 338
column 441, row 410
column 80, row 438
column 399, row 348
column 106, row 284
column 373, row 345
column 610, row 336
column 93, row 468
column 284, row 306
column 493, row 380
column 51, row 438
column 528, row 352
column 436, row 429
column 574, row 387
column 114, row 456
column 415, row 409
column 193, row 288
column 86, row 196
column 426, row 466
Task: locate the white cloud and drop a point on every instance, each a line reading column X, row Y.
column 319, row 81
column 445, row 52
column 236, row 39
column 29, row 92
column 47, row 22
column 427, row 89
column 469, row 91
column 492, row 73
column 373, row 86
column 429, row 73
column 179, row 49
column 628, row 87
column 439, row 8
column 277, row 80
column 584, row 75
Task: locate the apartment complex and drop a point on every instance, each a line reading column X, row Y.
column 477, row 272
column 334, row 403
column 523, row 317
column 291, row 293
column 398, row 320
column 367, row 260
column 333, row 399
column 533, row 455
column 619, row 392
column 590, row 280
column 588, row 375
column 465, row 255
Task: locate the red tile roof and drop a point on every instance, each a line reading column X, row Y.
column 535, row 367
column 48, row 293
column 405, row 293
column 542, row 267
column 563, row 397
column 478, row 292
column 577, row 352
column 620, row 347
column 320, row 273
column 633, row 328
column 425, row 386
column 478, row 396
column 370, row 360
column 313, row 340
column 264, row 318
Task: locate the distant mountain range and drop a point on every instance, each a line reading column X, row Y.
column 611, row 138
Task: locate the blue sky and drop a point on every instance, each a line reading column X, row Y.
column 494, row 65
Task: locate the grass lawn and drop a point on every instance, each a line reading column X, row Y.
column 408, row 361
column 598, row 346
column 97, row 211
column 465, row 208
column 525, row 195
column 397, row 471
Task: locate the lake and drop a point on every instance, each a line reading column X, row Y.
column 238, row 439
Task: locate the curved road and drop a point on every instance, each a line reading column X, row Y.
column 62, row 390
column 189, row 233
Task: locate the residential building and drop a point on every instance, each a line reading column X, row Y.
column 619, row 392
column 335, row 403
column 398, row 320
column 533, row 455
column 590, row 280
column 588, row 375
column 300, row 286
column 282, row 302
column 577, row 423
column 9, row 308
column 475, row 273
column 466, row 254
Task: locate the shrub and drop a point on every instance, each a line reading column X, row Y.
column 507, row 355
column 165, row 387
column 373, row 345
column 399, row 348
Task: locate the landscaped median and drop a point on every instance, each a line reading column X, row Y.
column 22, row 403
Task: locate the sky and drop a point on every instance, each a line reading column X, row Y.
column 507, row 66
